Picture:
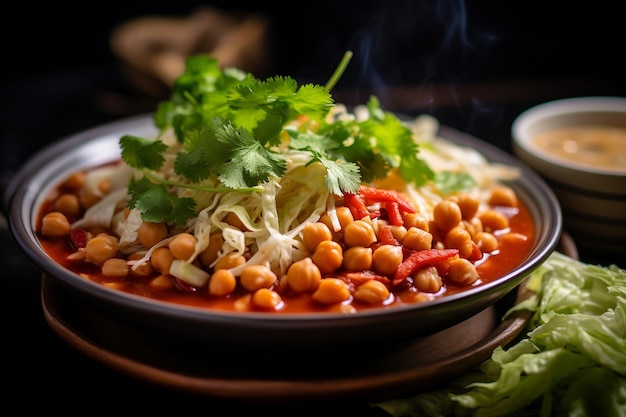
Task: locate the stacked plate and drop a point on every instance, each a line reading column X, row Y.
column 579, row 146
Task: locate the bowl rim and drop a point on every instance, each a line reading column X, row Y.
column 21, row 203
column 565, row 106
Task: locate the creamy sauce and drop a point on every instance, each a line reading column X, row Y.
column 596, row 146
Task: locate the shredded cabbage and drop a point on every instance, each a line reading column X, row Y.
column 101, row 214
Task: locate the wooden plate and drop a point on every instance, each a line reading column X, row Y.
column 367, row 375
column 364, row 374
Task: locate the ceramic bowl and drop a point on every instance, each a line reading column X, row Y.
column 589, row 180
column 261, row 332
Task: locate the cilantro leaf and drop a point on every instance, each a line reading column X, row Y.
column 249, row 103
column 395, row 142
column 264, row 107
column 231, row 127
column 378, row 144
column 201, row 154
column 142, row 153
column 341, row 176
column 247, row 162
column 310, row 141
column 198, row 95
column 157, row 205
column 312, row 100
column 362, row 151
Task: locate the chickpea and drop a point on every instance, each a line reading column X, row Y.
column 97, row 230
column 493, row 220
column 386, row 259
column 115, row 267
column 437, row 234
column 331, row 291
column 314, row 233
column 427, row 280
column 75, row 181
column 418, row 239
column 88, row 199
column 266, row 299
column 399, row 232
column 470, row 227
column 460, row 239
column 468, row 205
column 243, row 303
column 68, row 204
column 462, row 271
column 115, row 285
column 328, row 256
column 222, row 282
column 209, row 255
column 357, row 258
column 343, row 214
column 416, row 220
column 230, row 260
column 254, row 277
column 303, row 276
column 55, row 224
column 79, row 255
column 101, row 248
column 145, row 269
column 503, row 196
column 359, row 233
column 372, row 292
column 477, row 224
column 446, row 215
column 161, row 259
column 149, row 234
column 417, row 297
column 104, row 186
column 514, row 238
column 486, row 242
column 162, row 282
column 183, row 245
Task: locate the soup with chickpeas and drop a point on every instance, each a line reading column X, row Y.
column 372, row 261
column 320, row 209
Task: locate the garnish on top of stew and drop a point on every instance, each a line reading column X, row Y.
column 269, row 196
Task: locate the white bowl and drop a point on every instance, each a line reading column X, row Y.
column 592, row 197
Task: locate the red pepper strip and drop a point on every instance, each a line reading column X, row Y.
column 419, row 260
column 393, row 212
column 380, row 195
column 385, row 236
column 356, row 205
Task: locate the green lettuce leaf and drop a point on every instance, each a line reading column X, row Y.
column 572, row 361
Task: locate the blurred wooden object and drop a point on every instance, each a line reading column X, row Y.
column 153, row 49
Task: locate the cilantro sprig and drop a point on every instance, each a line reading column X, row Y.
column 232, row 128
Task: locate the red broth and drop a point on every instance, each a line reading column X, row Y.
column 514, row 244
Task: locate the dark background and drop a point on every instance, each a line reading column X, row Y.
column 59, row 74
column 472, row 65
